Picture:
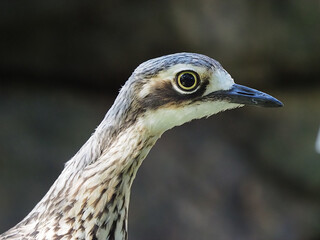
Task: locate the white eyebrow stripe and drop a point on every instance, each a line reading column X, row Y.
column 170, row 75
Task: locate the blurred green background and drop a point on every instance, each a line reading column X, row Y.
column 250, row 174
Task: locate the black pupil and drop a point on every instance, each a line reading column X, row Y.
column 187, row 80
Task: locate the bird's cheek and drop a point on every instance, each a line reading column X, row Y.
column 220, row 80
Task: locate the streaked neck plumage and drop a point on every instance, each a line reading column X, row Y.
column 90, row 198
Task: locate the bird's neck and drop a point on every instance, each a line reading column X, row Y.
column 90, row 198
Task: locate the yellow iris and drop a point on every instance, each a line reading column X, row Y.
column 187, row 80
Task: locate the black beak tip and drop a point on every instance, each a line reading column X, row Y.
column 279, row 104
column 272, row 102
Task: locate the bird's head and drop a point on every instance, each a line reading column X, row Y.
column 171, row 90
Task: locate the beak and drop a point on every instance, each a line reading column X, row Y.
column 248, row 96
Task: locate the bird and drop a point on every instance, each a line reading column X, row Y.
column 90, row 198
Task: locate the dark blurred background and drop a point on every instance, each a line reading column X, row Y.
column 247, row 174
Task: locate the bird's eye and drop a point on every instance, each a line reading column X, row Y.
column 187, row 81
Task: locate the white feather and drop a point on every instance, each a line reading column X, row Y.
column 162, row 119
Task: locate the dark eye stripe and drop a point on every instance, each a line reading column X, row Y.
column 165, row 94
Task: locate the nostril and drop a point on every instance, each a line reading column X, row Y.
column 245, row 93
